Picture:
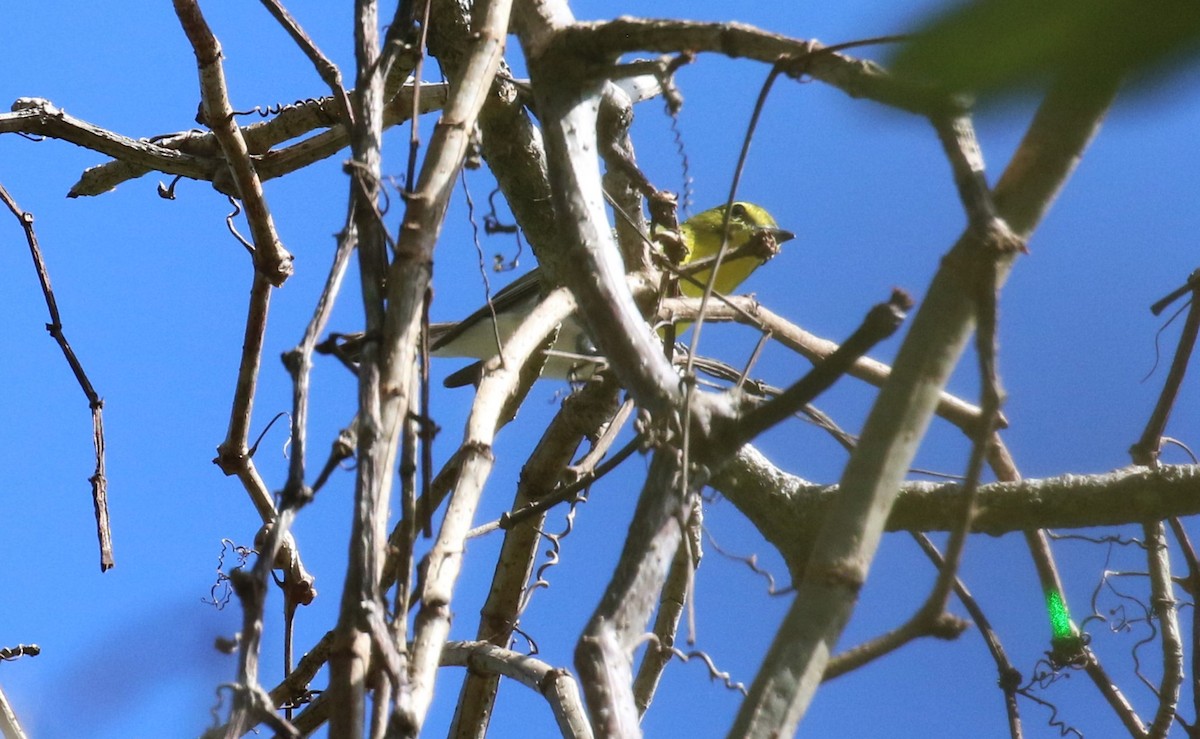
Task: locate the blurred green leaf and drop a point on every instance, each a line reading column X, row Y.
column 998, row 45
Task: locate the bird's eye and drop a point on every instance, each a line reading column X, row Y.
column 738, row 212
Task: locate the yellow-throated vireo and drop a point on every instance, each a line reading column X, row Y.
column 573, row 356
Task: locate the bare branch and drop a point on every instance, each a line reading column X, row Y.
column 325, row 68
column 1009, row 678
column 1146, row 449
column 98, row 479
column 748, row 311
column 1124, row 496
column 502, row 379
column 880, row 322
column 1162, row 600
column 299, row 363
column 10, row 727
column 857, row 78
column 581, row 415
column 270, row 258
column 292, row 121
column 568, row 99
column 848, row 540
column 41, row 117
column 666, row 624
column 555, row 685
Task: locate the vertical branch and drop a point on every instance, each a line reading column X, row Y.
column 602, row 656
column 404, row 536
column 234, row 456
column 1192, row 585
column 414, row 136
column 351, row 654
column 1162, row 601
column 385, row 372
column 582, row 414
column 675, row 593
column 1145, row 452
column 251, row 703
column 99, row 481
column 272, row 263
column 1065, row 634
column 298, row 362
column 502, row 381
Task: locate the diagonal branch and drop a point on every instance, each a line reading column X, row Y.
column 10, row 727
column 195, row 154
column 828, row 589
column 41, row 117
column 880, row 322
column 98, row 479
column 748, row 311
column 325, row 68
column 270, row 258
column 502, row 380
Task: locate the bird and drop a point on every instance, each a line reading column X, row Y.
column 754, row 238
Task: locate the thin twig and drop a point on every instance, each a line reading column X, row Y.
column 298, row 362
column 325, row 68
column 880, row 322
column 414, row 136
column 814, row 348
column 1113, row 696
column 1009, row 678
column 98, row 479
column 1145, row 450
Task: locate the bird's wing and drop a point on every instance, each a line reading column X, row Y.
column 515, row 293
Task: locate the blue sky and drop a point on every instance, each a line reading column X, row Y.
column 153, row 297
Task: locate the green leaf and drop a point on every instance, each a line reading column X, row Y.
column 999, row 45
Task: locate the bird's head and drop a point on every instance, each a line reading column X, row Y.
column 748, row 223
column 754, row 238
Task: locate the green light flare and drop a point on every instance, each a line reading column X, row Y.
column 1060, row 617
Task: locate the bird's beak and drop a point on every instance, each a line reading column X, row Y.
column 765, row 241
column 781, row 235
